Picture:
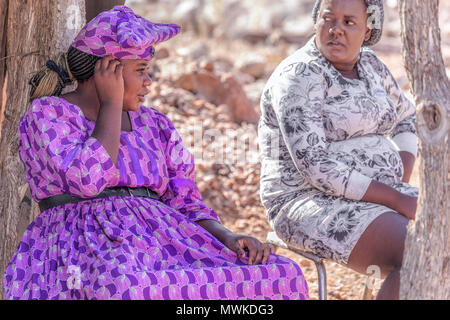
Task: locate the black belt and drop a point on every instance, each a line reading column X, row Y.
column 61, row 199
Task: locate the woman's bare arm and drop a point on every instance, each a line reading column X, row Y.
column 408, row 160
column 385, row 195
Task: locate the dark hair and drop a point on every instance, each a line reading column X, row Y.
column 376, row 32
column 67, row 67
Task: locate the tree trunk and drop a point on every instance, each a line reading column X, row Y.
column 34, row 32
column 93, row 8
column 426, row 263
column 3, row 80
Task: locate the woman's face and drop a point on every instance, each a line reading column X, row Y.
column 136, row 80
column 341, row 30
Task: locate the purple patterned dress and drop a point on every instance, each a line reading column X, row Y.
column 125, row 247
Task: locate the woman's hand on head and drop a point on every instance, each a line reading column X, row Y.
column 258, row 252
column 109, row 81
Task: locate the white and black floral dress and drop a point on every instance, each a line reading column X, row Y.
column 323, row 138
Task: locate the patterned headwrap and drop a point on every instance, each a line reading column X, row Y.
column 122, row 34
column 375, row 20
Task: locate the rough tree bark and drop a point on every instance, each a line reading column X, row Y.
column 3, row 79
column 93, row 8
column 34, row 31
column 426, row 263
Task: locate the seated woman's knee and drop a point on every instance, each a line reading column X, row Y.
column 381, row 245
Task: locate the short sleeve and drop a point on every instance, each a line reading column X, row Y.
column 297, row 97
column 182, row 193
column 404, row 134
column 62, row 153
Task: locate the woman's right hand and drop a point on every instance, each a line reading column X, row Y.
column 109, row 81
column 407, row 206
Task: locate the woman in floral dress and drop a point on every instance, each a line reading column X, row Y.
column 338, row 145
column 121, row 215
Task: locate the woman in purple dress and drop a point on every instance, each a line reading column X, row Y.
column 121, row 216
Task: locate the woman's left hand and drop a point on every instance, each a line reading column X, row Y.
column 258, row 252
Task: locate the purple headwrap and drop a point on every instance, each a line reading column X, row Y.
column 122, row 34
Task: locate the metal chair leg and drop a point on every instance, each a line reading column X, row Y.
column 368, row 286
column 320, row 266
column 322, row 279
